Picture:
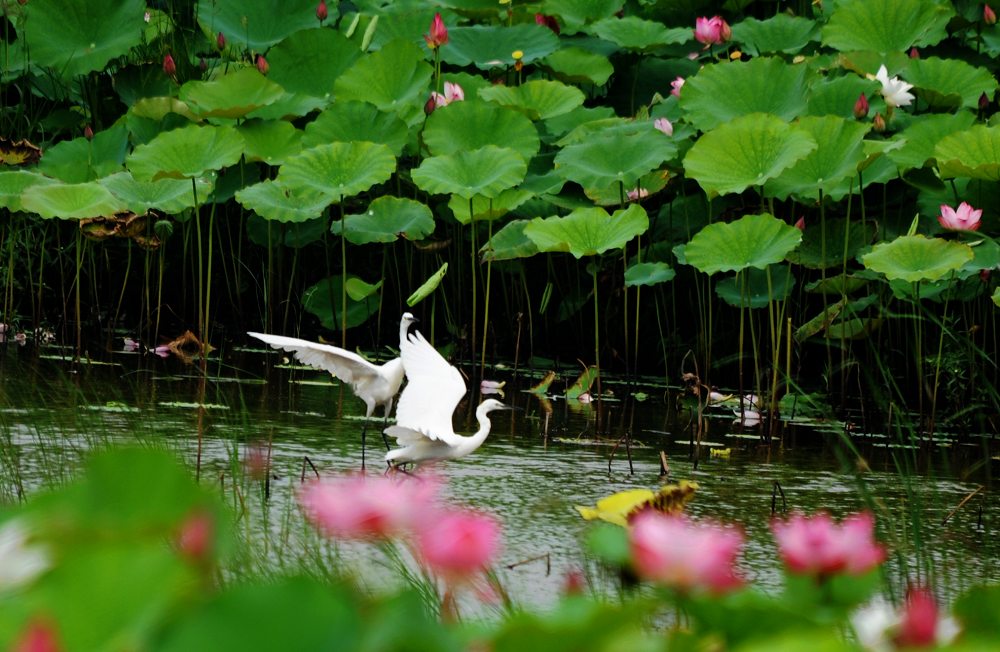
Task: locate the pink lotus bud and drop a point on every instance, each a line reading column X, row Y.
column 202, row 64
column 262, row 64
column 800, row 223
column 38, row 636
column 438, row 34
column 820, row 547
column 989, row 17
column 574, row 582
column 547, row 21
column 675, row 86
column 914, row 53
column 861, row 107
column 458, row 545
column 431, row 103
column 194, row 540
column 664, row 125
column 169, row 67
column 878, row 123
column 220, row 41
column 321, row 11
column 964, row 218
column 984, row 101
column 88, row 133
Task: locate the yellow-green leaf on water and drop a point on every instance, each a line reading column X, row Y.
column 618, row 507
column 583, row 383
column 428, row 286
column 542, row 387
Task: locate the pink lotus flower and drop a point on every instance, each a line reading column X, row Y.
column 438, row 33
column 688, row 556
column 636, row 194
column 817, row 546
column 919, row 620
column 457, row 545
column 368, row 507
column 965, row 218
column 664, row 125
column 675, row 86
column 711, row 31
column 452, row 93
column 547, row 21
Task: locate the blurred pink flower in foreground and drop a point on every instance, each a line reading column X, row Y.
column 458, row 544
column 664, row 125
column 675, row 86
column 919, row 623
column 368, row 507
column 965, row 218
column 675, row 551
column 711, row 31
column 816, row 545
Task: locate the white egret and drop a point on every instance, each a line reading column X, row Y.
column 424, row 429
column 376, row 385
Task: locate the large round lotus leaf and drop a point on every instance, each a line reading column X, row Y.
column 886, row 25
column 230, row 96
column 577, row 66
column 79, row 160
column 158, row 108
column 350, row 120
column 324, row 300
column 947, row 83
column 311, row 62
column 604, row 160
column 167, row 195
column 463, row 126
column 485, row 171
column 270, row 141
column 256, row 25
column 188, row 152
column 916, row 258
column 648, row 274
column 634, row 33
column 746, row 152
column 751, row 288
column 616, row 195
column 386, row 219
column 971, row 153
column 485, row 209
column 274, row 201
column 724, row 91
column 557, row 126
column 834, row 160
column 74, row 37
column 588, row 231
column 289, row 106
column 837, row 96
column 338, row 170
column 919, row 140
column 489, row 46
column 751, row 241
column 779, row 33
column 70, row 200
column 608, row 127
column 14, row 182
column 574, row 14
column 825, row 248
column 538, row 98
column 509, row 243
column 394, row 79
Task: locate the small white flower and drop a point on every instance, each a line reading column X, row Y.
column 20, row 562
column 895, row 90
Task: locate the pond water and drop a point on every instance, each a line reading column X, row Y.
column 537, row 464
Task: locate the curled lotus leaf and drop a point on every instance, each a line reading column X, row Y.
column 428, row 286
column 509, row 243
column 387, row 219
column 973, row 153
column 588, row 231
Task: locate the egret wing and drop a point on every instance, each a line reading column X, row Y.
column 433, row 390
column 345, row 365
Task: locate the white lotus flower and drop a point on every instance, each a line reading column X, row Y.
column 895, row 90
column 20, row 562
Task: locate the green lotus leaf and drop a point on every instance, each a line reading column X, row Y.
column 485, row 171
column 996, row 297
column 915, row 258
column 70, row 200
column 574, row 14
column 406, row 21
column 576, row 66
column 428, row 286
column 484, row 209
column 971, row 153
column 311, row 62
column 489, row 46
column 745, row 152
column 258, row 25
column 723, row 91
column 170, row 196
column 274, row 201
column 350, row 120
column 395, row 79
column 780, row 33
column 386, row 219
column 588, row 231
column 634, row 33
column 823, row 249
column 837, row 96
column 919, row 140
column 187, row 152
column 289, row 106
column 230, row 96
column 358, row 289
column 270, row 141
column 836, row 158
column 79, row 160
column 539, row 99
column 463, row 126
column 886, row 25
column 509, row 243
column 325, row 301
column 338, row 170
column 601, row 161
column 157, row 108
column 615, row 194
column 751, row 288
column 75, row 37
column 648, row 274
column 561, row 124
column 751, row 241
column 940, row 82
column 613, row 127
column 835, row 285
column 13, row 183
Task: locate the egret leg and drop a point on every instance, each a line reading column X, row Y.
column 385, row 439
column 364, row 433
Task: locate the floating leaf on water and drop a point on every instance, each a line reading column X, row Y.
column 542, row 387
column 427, row 287
column 620, row 507
column 582, row 384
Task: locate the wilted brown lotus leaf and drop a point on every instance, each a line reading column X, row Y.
column 123, row 224
column 19, row 152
